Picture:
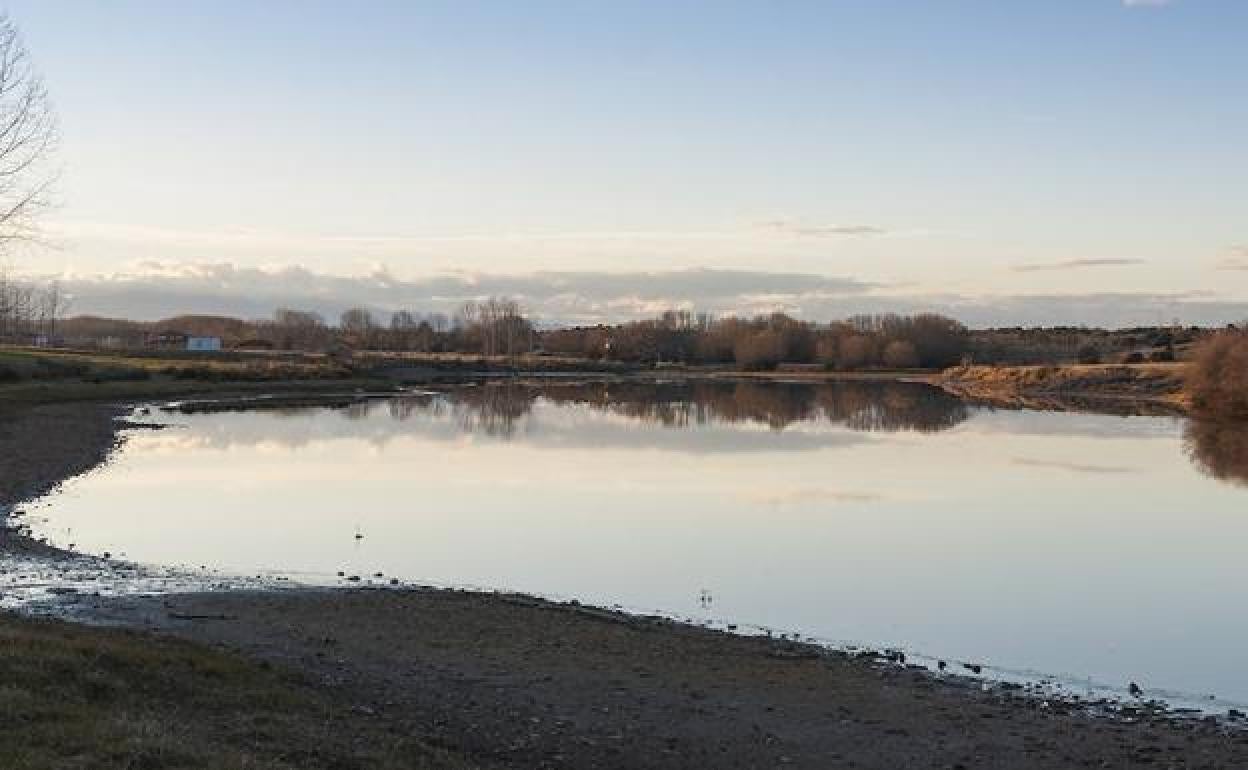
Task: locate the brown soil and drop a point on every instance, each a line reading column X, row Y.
column 517, row 682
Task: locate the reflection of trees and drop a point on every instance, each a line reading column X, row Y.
column 1219, row 449
column 493, row 409
column 861, row 406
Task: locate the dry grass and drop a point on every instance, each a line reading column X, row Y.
column 36, row 376
column 77, row 697
column 1153, row 378
column 1218, row 381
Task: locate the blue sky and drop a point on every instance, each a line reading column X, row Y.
column 949, row 153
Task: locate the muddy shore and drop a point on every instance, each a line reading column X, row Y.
column 43, row 445
column 516, row 682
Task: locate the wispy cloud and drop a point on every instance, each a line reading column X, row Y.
column 811, row 495
column 1236, row 259
column 823, row 230
column 153, row 290
column 1147, row 3
column 1075, row 264
column 1070, row 467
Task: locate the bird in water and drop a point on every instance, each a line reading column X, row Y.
column 1135, row 690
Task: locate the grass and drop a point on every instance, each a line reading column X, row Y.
column 30, row 376
column 1149, row 383
column 81, row 697
column 21, row 364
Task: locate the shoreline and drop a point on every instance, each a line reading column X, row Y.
column 523, row 682
column 1146, row 389
column 678, row 694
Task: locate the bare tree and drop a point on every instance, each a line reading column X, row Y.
column 28, row 135
column 358, row 327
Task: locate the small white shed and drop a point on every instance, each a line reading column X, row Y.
column 203, row 344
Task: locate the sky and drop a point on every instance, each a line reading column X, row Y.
column 1031, row 161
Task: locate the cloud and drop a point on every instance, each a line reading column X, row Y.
column 1146, row 3
column 791, row 227
column 1075, row 264
column 154, row 290
column 1071, row 467
column 810, row 495
column 1236, row 260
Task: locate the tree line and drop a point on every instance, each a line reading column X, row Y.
column 766, row 342
column 29, row 311
column 498, row 326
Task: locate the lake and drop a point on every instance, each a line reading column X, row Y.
column 1095, row 549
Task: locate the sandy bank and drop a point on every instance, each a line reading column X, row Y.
column 1147, row 388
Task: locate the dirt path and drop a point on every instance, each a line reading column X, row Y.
column 521, row 683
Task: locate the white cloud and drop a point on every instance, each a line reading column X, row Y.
column 1076, row 264
column 1146, row 3
column 791, row 227
column 153, row 290
column 1236, row 259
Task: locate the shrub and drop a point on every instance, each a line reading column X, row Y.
column 760, row 351
column 1134, row 358
column 1089, row 354
column 119, row 374
column 855, row 352
column 900, row 354
column 1217, row 381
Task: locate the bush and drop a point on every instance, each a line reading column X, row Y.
column 760, row 351
column 119, row 374
column 1162, row 356
column 1089, row 354
column 1134, row 358
column 900, row 354
column 1217, row 381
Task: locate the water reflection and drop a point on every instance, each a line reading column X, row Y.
column 508, row 412
column 885, row 513
column 497, row 410
column 1218, row 449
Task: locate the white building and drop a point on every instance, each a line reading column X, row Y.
column 203, row 344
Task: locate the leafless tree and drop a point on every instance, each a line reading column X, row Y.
column 28, row 135
column 358, row 327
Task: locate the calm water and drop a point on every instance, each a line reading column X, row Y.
column 1070, row 544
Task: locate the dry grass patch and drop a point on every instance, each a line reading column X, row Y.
column 79, row 697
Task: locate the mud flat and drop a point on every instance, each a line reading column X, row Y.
column 513, row 681
column 40, row 447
